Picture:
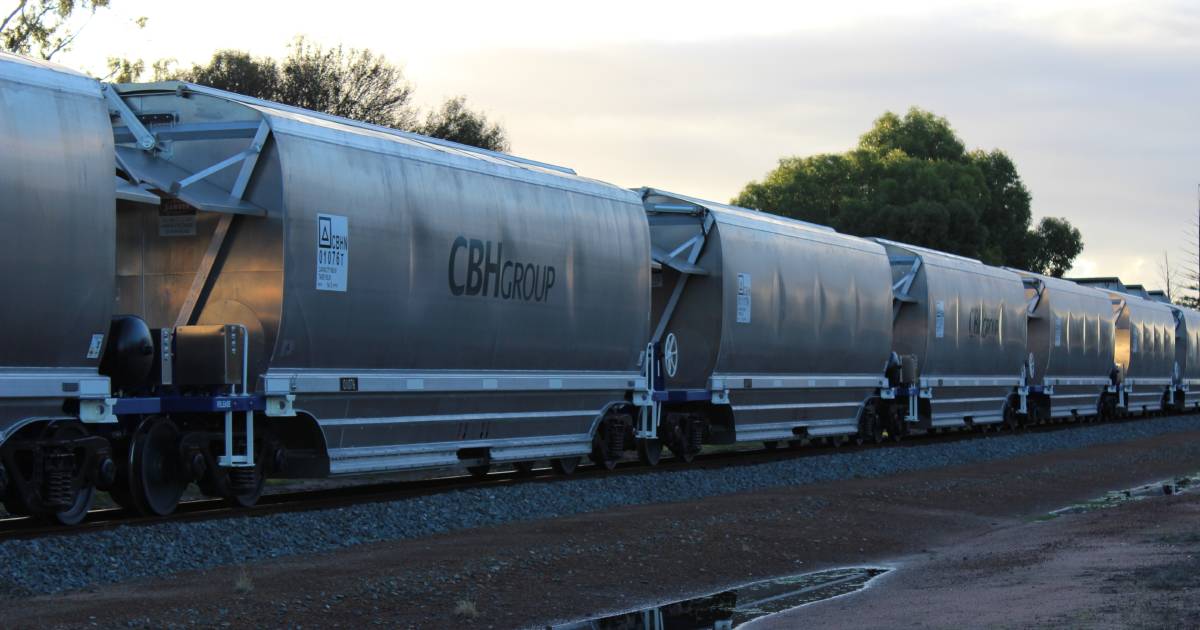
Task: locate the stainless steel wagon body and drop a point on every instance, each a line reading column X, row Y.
column 786, row 323
column 1187, row 354
column 56, row 203
column 964, row 323
column 427, row 304
column 1071, row 343
column 1145, row 350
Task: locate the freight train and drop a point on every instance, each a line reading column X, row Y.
column 208, row 288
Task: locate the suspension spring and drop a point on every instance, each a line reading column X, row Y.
column 615, row 437
column 243, row 480
column 57, row 487
column 695, row 434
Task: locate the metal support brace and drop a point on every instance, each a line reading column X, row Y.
column 230, row 459
column 200, row 281
column 650, row 410
column 914, row 403
column 145, row 139
column 1039, row 287
column 256, row 147
column 215, row 168
column 901, row 287
column 1023, row 388
column 697, row 244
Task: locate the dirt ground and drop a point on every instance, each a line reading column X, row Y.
column 1134, row 565
column 969, row 542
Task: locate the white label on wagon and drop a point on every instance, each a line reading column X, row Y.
column 1058, row 326
column 939, row 319
column 743, row 298
column 95, row 346
column 333, row 252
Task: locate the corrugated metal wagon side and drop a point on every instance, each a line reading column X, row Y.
column 960, row 329
column 1145, row 351
column 1071, row 368
column 56, row 205
column 1187, row 357
column 774, row 329
column 409, row 303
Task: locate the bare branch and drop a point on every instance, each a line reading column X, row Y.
column 20, row 6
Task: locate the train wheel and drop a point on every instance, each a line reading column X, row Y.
column 480, row 471
column 649, row 451
column 565, row 465
column 523, row 469
column 155, row 480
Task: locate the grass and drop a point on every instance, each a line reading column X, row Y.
column 242, row 583
column 466, row 608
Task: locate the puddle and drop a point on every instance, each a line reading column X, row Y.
column 734, row 607
column 1166, row 487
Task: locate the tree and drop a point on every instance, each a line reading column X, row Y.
column 1188, row 294
column 919, row 134
column 1056, row 244
column 1168, row 277
column 348, row 82
column 911, row 179
column 237, row 71
column 455, row 121
column 351, row 83
column 40, row 27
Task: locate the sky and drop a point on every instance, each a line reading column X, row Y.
column 1095, row 101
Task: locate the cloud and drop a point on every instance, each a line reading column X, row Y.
column 1103, row 134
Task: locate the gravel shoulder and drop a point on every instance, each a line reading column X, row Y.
column 740, row 526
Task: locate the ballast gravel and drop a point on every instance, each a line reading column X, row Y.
column 59, row 563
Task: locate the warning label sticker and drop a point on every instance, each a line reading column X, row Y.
column 1057, row 331
column 333, row 252
column 939, row 319
column 743, row 298
column 176, row 218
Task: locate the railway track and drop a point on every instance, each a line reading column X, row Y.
column 341, row 496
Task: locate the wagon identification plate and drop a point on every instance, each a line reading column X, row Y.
column 333, row 252
column 176, row 218
column 743, row 298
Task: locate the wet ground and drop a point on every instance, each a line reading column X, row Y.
column 972, row 545
column 1119, row 563
column 736, row 606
